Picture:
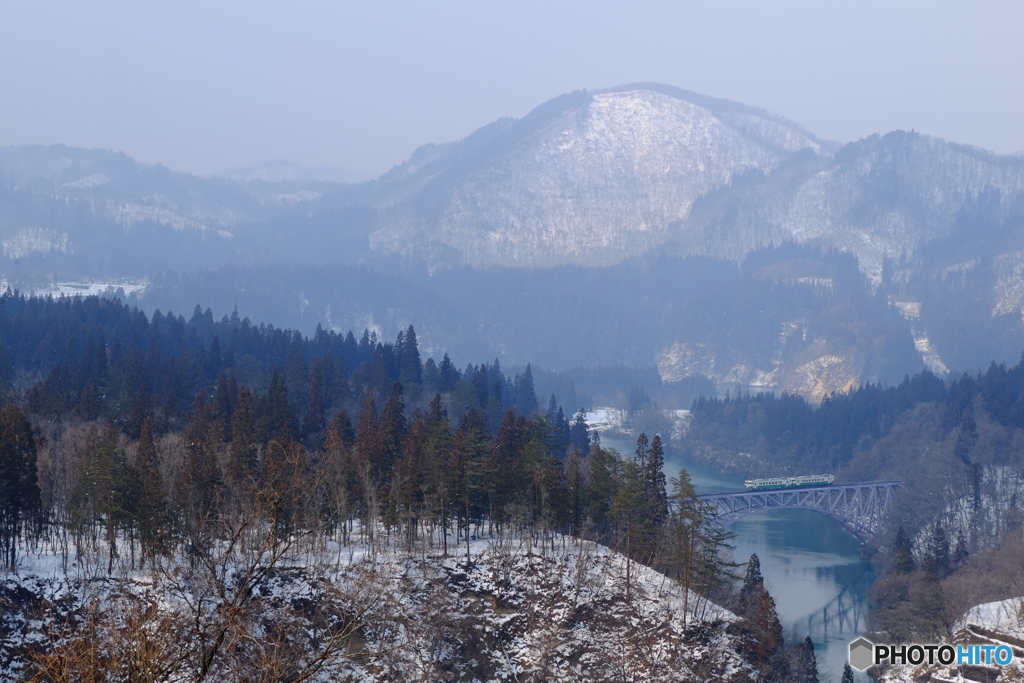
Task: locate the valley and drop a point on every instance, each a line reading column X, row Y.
column 195, row 362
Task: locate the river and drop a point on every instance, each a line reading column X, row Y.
column 811, row 566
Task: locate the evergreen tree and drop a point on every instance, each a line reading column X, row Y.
column 479, row 379
column 89, row 406
column 242, row 452
column 903, row 556
column 340, row 433
column 296, row 378
column 805, row 669
column 152, row 501
column 465, row 489
column 278, row 420
column 495, row 405
column 99, row 370
column 448, row 375
column 752, row 578
column 339, row 391
column 628, row 514
column 967, row 436
column 642, row 445
column 285, row 477
column 370, row 447
column 407, row 491
column 938, row 553
column 552, row 409
column 212, row 364
column 430, row 376
column 103, row 492
column 961, row 554
column 436, row 451
column 313, row 416
column 577, row 491
column 411, row 371
column 847, row 673
column 392, row 428
column 560, row 434
column 753, row 586
column 19, row 488
column 526, row 395
column 141, row 406
column 554, row 490
column 690, row 545
column 200, row 484
column 502, row 466
column 579, row 435
column 220, row 412
column 603, row 477
column 654, row 484
column 766, row 642
column 340, row 480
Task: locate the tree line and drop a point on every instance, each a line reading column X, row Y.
column 792, row 434
column 126, row 438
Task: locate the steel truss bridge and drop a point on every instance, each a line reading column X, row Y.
column 858, row 507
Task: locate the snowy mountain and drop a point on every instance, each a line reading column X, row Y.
column 621, row 189
column 587, row 178
column 884, row 197
column 97, row 213
column 591, row 178
column 595, row 178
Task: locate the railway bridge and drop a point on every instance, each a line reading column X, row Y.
column 858, row 507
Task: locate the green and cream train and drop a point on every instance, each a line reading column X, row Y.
column 789, row 482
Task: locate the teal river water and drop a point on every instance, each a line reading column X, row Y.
column 812, row 567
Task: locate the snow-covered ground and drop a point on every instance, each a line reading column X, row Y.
column 87, row 287
column 608, row 419
column 993, row 623
column 1004, row 616
column 508, row 607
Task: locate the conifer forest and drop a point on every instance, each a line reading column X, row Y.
column 214, row 460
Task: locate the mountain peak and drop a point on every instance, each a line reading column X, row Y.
column 590, row 177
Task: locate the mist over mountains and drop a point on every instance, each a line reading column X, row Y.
column 282, row 171
column 637, row 225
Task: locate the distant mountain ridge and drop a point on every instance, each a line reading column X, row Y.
column 589, row 178
column 282, row 170
column 593, row 178
column 615, row 188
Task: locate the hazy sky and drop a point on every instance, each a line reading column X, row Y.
column 202, row 86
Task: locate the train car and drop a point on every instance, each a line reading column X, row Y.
column 789, row 482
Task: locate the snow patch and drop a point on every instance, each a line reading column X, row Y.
column 36, row 241
column 94, row 180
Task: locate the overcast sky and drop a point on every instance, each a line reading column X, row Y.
column 202, row 86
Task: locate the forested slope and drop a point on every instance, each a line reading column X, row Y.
column 243, row 487
column 952, row 535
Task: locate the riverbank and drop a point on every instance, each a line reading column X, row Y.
column 812, row 566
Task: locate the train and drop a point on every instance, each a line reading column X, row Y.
column 789, row 482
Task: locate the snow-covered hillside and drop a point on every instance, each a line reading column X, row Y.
column 595, row 178
column 515, row 609
column 609, row 177
column 994, row 623
column 887, row 196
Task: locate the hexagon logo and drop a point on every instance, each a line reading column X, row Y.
column 862, row 654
